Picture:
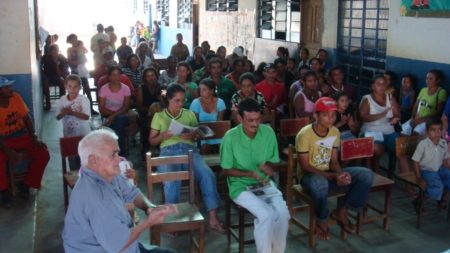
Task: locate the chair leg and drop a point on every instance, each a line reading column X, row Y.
column 201, row 239
column 155, row 236
column 228, row 217
column 312, row 227
column 420, row 207
column 387, row 204
column 241, row 230
column 66, row 196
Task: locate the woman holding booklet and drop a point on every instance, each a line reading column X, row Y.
column 179, row 144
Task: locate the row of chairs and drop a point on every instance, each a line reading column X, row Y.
column 191, row 219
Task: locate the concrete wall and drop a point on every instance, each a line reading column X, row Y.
column 239, row 28
column 416, row 45
column 18, row 53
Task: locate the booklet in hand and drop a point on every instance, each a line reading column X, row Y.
column 264, row 190
column 177, row 129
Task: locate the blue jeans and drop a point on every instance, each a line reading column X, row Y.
column 436, row 182
column 356, row 193
column 119, row 124
column 202, row 173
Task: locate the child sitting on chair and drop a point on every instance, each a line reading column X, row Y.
column 431, row 163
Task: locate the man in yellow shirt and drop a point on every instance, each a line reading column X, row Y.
column 317, row 147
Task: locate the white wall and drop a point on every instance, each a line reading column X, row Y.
column 330, row 20
column 14, row 37
column 425, row 39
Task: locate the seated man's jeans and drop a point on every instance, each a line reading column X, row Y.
column 355, row 198
column 436, row 182
column 119, row 124
column 202, row 173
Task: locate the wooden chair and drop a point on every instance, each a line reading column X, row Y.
column 289, row 128
column 68, row 149
column 363, row 148
column 219, row 128
column 405, row 146
column 188, row 217
column 18, row 172
column 270, row 118
column 297, row 191
column 238, row 235
column 350, row 149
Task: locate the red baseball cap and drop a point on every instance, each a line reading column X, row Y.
column 325, row 104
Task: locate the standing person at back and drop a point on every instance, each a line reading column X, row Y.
column 247, row 153
column 74, row 111
column 100, row 35
column 123, row 51
column 155, row 35
column 180, row 50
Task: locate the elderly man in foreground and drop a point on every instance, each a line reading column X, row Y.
column 97, row 219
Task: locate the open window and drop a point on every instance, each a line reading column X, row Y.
column 279, row 20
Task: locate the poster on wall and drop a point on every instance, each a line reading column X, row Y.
column 425, row 8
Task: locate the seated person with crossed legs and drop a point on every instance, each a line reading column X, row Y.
column 317, row 147
column 246, row 154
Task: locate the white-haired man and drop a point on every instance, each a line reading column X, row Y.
column 97, row 219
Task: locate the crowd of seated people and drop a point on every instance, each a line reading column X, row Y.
column 211, row 86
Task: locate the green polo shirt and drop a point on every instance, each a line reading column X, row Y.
column 238, row 151
column 161, row 122
column 225, row 90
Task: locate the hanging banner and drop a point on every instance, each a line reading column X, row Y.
column 425, row 8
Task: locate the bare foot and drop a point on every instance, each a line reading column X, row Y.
column 322, row 231
column 340, row 215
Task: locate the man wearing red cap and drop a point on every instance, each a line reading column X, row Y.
column 18, row 139
column 317, row 147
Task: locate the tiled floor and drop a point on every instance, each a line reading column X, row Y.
column 35, row 225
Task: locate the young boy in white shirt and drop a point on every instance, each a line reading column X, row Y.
column 431, row 163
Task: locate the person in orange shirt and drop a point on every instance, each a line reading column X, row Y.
column 18, row 142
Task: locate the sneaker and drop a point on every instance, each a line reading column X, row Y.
column 6, row 199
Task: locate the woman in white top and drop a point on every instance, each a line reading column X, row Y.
column 379, row 112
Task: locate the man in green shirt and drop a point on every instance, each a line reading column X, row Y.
column 246, row 153
column 224, row 87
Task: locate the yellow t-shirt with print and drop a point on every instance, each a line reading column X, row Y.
column 318, row 147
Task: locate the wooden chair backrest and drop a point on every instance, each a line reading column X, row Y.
column 219, row 128
column 155, row 177
column 161, row 64
column 357, row 148
column 269, row 118
column 68, row 148
column 406, row 145
column 290, row 127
